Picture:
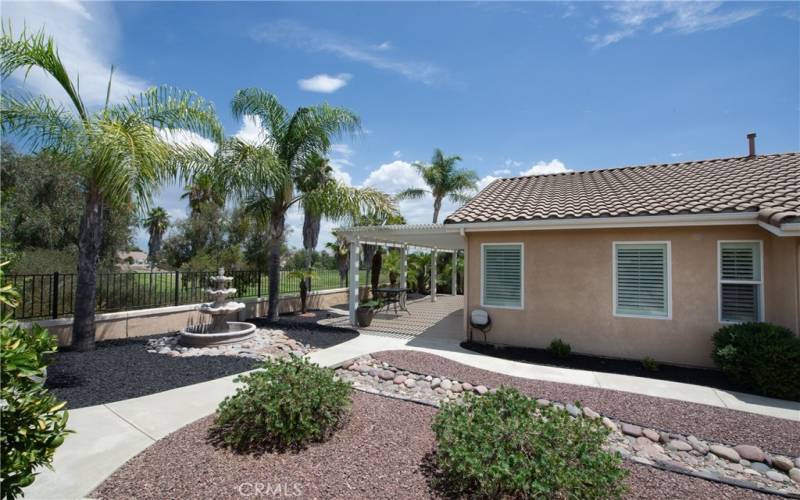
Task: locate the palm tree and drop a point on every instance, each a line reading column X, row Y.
column 340, row 251
column 316, row 172
column 156, row 223
column 117, row 150
column 444, row 180
column 266, row 175
column 203, row 190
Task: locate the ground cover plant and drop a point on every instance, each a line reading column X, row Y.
column 284, row 405
column 505, row 445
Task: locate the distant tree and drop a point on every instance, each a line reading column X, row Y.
column 444, row 180
column 202, row 190
column 314, row 174
column 117, row 150
column 156, row 223
column 340, row 252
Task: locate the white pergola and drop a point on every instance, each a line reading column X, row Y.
column 435, row 237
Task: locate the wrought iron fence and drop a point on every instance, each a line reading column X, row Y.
column 53, row 295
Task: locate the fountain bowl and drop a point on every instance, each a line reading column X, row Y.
column 199, row 335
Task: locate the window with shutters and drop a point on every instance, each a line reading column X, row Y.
column 642, row 279
column 740, row 282
column 501, row 275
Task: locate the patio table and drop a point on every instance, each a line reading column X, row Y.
column 394, row 297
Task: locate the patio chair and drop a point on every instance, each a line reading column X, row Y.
column 479, row 319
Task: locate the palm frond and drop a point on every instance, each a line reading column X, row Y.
column 127, row 158
column 36, row 50
column 457, row 197
column 40, row 123
column 262, row 104
column 169, row 108
column 338, row 201
column 411, row 194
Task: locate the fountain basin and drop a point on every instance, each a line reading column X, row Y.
column 196, row 336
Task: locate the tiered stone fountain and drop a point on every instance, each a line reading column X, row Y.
column 219, row 331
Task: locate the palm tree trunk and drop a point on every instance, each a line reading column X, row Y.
column 276, row 226
column 437, row 205
column 90, row 239
column 311, row 226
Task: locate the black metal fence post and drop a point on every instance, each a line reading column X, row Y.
column 54, row 296
column 259, row 284
column 177, row 290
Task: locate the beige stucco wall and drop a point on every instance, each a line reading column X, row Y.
column 569, row 291
column 141, row 323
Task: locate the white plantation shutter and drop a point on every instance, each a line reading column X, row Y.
column 502, row 275
column 642, row 279
column 740, row 281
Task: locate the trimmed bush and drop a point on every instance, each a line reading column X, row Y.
column 650, row 364
column 559, row 349
column 286, row 404
column 761, row 357
column 504, row 445
column 32, row 422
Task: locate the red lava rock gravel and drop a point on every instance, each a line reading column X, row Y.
column 378, row 454
column 717, row 424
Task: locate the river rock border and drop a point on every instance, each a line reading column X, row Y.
column 264, row 344
column 742, row 465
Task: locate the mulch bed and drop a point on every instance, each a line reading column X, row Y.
column 380, row 453
column 700, row 376
column 708, row 422
column 123, row 369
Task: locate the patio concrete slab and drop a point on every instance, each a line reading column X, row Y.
column 102, row 442
column 160, row 414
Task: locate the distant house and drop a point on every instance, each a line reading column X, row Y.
column 133, row 261
column 629, row 262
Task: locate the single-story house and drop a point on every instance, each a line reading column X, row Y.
column 631, row 262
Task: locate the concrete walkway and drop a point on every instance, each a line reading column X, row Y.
column 109, row 435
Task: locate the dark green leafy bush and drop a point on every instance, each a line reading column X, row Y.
column 559, row 349
column 504, row 445
column 650, row 364
column 284, row 405
column 32, row 421
column 761, row 357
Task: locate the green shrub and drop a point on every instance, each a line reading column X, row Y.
column 761, row 357
column 32, row 422
column 503, row 445
column 650, row 364
column 559, row 349
column 284, row 405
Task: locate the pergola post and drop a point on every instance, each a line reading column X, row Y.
column 433, row 275
column 355, row 250
column 454, row 273
column 403, row 266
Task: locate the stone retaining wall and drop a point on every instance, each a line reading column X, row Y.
column 144, row 322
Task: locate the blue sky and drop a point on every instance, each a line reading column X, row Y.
column 512, row 88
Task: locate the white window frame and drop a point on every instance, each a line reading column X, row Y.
column 762, row 313
column 614, row 246
column 522, row 274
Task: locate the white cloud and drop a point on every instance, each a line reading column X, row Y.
column 502, row 171
column 554, row 166
column 187, row 137
column 339, row 160
column 485, row 181
column 251, row 130
column 683, row 17
column 384, row 46
column 293, row 34
column 676, row 155
column 324, row 83
column 397, row 153
column 86, row 36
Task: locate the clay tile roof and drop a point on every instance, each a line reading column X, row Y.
column 767, row 184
